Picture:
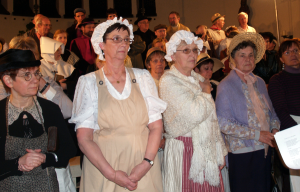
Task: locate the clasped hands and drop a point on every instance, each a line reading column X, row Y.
column 130, row 182
column 31, row 160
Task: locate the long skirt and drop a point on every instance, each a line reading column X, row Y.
column 249, row 172
column 187, row 184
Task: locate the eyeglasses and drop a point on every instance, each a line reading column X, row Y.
column 187, row 51
column 118, row 39
column 27, row 76
column 288, row 53
column 157, row 60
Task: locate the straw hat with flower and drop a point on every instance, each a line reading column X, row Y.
column 255, row 38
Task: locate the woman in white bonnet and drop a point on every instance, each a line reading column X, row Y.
column 118, row 119
column 194, row 151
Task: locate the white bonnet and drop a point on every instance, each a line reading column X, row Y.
column 176, row 39
column 99, row 31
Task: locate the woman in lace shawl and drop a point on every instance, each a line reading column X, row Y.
column 25, row 162
column 194, row 151
column 246, row 117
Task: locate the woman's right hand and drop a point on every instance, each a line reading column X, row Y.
column 31, row 160
column 206, row 86
column 122, row 180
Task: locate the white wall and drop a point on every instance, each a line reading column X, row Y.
column 193, row 13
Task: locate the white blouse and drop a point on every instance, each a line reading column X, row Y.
column 85, row 104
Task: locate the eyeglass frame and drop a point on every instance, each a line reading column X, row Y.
column 288, row 53
column 114, row 40
column 37, row 74
column 189, row 51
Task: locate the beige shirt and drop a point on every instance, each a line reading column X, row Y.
column 171, row 30
column 216, row 35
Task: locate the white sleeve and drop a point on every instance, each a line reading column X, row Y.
column 83, row 113
column 155, row 105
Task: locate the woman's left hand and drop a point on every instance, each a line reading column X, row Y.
column 139, row 171
column 63, row 84
column 162, row 143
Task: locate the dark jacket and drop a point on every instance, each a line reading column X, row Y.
column 148, row 37
column 267, row 68
column 52, row 117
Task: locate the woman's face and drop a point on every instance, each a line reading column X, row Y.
column 22, row 87
column 113, row 49
column 157, row 64
column 62, row 37
column 185, row 61
column 206, row 70
column 291, row 57
column 161, row 46
column 57, row 54
column 244, row 59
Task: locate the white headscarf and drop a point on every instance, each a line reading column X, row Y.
column 99, row 31
column 49, row 47
column 176, row 39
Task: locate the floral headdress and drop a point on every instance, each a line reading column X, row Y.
column 99, row 31
column 176, row 39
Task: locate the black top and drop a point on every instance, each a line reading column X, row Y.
column 72, row 34
column 267, row 68
column 52, row 117
column 284, row 91
column 148, row 37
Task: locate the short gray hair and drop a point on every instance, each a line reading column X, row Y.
column 242, row 13
column 39, row 21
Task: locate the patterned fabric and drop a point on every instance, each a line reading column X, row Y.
column 187, row 184
column 236, row 115
column 36, row 180
column 14, row 113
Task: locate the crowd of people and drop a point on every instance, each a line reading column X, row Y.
column 168, row 110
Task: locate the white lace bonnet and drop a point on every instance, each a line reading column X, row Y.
column 99, row 31
column 176, row 39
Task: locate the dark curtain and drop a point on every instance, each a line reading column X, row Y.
column 123, row 8
column 21, row 8
column 70, row 6
column 98, row 8
column 3, row 11
column 150, row 7
column 48, row 8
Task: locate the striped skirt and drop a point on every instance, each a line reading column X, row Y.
column 187, row 184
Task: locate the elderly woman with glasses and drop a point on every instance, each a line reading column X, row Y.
column 246, row 116
column 118, row 120
column 194, row 151
column 27, row 164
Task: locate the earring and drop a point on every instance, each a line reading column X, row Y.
column 282, row 66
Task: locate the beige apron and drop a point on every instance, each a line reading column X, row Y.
column 122, row 138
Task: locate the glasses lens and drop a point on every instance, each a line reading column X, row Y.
column 117, row 39
column 27, row 76
column 186, row 51
column 195, row 51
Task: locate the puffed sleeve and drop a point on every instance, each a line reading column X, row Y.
column 83, row 113
column 155, row 105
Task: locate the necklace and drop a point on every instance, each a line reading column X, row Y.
column 117, row 80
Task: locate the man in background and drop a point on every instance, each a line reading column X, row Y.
column 74, row 31
column 82, row 45
column 144, row 32
column 215, row 31
column 111, row 14
column 243, row 22
column 42, row 29
column 174, row 19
